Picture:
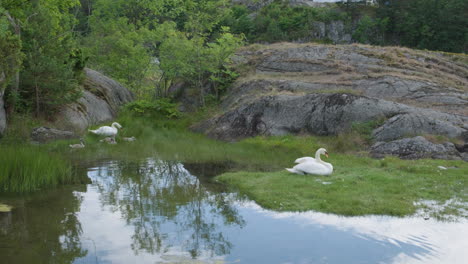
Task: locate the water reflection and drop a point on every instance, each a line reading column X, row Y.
column 42, row 228
column 167, row 207
column 393, row 240
column 156, row 211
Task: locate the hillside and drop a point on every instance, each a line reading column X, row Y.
column 317, row 89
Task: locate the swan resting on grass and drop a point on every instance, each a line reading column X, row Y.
column 309, row 165
column 78, row 146
column 108, row 131
column 129, row 139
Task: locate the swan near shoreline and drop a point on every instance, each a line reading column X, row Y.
column 108, row 131
column 309, row 165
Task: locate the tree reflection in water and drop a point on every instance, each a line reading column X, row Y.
column 167, row 206
column 42, row 228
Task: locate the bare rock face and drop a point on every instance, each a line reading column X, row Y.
column 415, row 148
column 46, row 134
column 101, row 100
column 329, row 114
column 2, row 115
column 323, row 90
column 333, row 30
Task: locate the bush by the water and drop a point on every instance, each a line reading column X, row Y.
column 28, row 168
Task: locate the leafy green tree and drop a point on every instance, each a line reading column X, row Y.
column 218, row 55
column 371, row 30
column 117, row 48
column 10, row 51
column 49, row 79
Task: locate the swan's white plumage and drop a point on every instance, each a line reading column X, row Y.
column 108, row 131
column 304, row 159
column 309, row 165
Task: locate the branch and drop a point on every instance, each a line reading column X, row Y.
column 13, row 23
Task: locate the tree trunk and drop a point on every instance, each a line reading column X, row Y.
column 37, row 97
column 14, row 23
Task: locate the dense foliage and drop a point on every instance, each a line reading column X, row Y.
column 279, row 21
column 146, row 45
column 40, row 35
column 151, row 45
column 426, row 24
column 423, row 24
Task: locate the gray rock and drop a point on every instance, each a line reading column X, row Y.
column 421, row 121
column 324, row 89
column 415, row 148
column 101, row 100
column 2, row 115
column 328, row 114
column 334, row 31
column 45, row 134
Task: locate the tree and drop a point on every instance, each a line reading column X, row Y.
column 427, row 24
column 49, row 77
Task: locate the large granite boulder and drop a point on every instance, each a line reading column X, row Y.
column 415, row 148
column 329, row 114
column 46, row 134
column 101, row 100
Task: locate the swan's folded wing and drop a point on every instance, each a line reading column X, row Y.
column 304, row 159
column 312, row 168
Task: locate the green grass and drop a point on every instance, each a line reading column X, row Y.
column 171, row 140
column 27, row 168
column 358, row 186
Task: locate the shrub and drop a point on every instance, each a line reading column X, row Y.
column 162, row 106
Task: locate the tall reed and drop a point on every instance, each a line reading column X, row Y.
column 26, row 168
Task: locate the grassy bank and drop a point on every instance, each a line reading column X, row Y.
column 358, row 186
column 27, row 168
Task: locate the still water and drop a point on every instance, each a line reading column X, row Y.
column 156, row 211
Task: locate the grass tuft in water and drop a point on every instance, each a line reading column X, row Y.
column 27, row 168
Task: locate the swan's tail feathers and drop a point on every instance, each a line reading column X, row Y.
column 295, row 171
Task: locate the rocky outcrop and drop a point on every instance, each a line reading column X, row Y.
column 334, row 31
column 415, row 148
column 101, row 100
column 2, row 115
column 329, row 114
column 324, row 90
column 46, row 134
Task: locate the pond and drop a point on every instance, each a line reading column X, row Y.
column 155, row 211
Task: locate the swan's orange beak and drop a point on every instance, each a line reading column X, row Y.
column 326, row 154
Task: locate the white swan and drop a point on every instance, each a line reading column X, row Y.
column 308, row 165
column 108, row 131
column 76, row 146
column 129, row 139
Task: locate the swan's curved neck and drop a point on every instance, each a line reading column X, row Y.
column 317, row 156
